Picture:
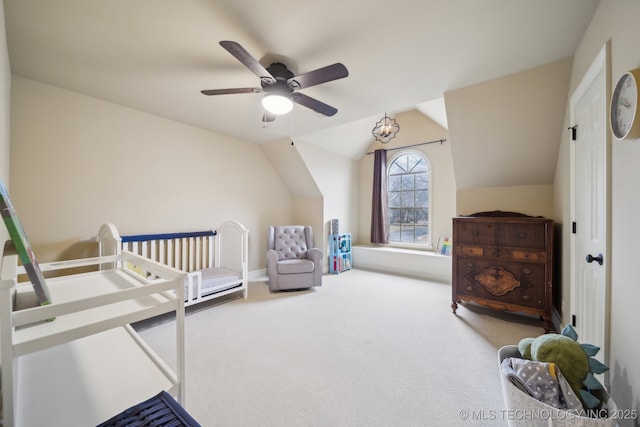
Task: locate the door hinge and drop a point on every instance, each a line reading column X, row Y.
column 573, row 320
column 573, row 227
column 573, row 132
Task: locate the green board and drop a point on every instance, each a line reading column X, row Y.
column 23, row 247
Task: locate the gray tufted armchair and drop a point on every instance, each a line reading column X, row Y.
column 292, row 261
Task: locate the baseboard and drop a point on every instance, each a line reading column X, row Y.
column 257, row 274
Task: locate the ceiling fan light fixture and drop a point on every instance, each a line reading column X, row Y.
column 277, row 104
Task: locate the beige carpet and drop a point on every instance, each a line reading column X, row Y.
column 365, row 349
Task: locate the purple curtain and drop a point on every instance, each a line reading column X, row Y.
column 379, row 207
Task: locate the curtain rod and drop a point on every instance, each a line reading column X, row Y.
column 414, row 145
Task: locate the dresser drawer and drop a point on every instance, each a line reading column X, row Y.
column 505, row 282
column 527, row 255
column 477, row 233
column 521, row 235
column 474, row 250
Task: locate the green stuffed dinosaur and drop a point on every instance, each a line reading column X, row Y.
column 574, row 360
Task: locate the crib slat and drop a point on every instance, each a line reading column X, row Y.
column 198, row 254
column 170, row 253
column 153, row 244
column 210, row 254
column 161, row 253
column 185, row 245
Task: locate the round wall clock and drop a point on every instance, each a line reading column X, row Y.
column 625, row 122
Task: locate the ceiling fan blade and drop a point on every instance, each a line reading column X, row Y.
column 231, row 91
column 314, row 104
column 321, row 75
column 248, row 61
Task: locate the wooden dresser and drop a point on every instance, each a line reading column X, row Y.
column 503, row 260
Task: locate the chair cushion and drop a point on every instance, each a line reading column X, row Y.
column 290, row 242
column 295, row 266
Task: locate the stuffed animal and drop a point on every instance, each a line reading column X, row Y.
column 574, row 360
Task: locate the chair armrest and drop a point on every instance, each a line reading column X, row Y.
column 272, row 256
column 272, row 270
column 315, row 255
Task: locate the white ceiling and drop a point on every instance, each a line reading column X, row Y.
column 156, row 55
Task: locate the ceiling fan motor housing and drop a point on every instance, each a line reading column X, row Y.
column 281, row 74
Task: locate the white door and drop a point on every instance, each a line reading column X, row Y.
column 590, row 292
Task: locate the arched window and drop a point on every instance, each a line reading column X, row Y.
column 409, row 180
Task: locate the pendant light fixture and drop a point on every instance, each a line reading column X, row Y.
column 385, row 129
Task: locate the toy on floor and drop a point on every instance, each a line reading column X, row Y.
column 576, row 361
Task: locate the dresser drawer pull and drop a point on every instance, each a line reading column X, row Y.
column 526, row 297
column 470, row 289
column 526, row 270
column 522, row 235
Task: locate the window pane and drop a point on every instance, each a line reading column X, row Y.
column 407, row 182
column 395, row 199
column 422, row 198
column 407, row 216
column 395, row 183
column 422, row 216
column 422, row 234
column 398, row 166
column 420, row 166
column 422, row 181
column 408, row 199
column 394, row 233
column 394, row 216
column 415, row 163
column 406, row 234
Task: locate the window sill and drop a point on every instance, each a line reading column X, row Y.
column 399, row 249
column 422, row 264
column 409, row 246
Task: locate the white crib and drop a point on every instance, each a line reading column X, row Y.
column 215, row 260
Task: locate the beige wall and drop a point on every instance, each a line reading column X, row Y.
column 615, row 21
column 307, row 202
column 414, row 129
column 336, row 177
column 77, row 162
column 323, row 185
column 5, row 101
column 511, row 126
column 508, row 126
column 534, row 200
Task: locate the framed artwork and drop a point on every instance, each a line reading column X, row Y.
column 22, row 246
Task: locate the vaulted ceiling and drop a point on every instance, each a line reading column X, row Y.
column 156, row 55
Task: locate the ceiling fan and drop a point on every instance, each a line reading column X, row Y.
column 280, row 85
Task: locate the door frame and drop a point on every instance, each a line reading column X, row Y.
column 600, row 64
